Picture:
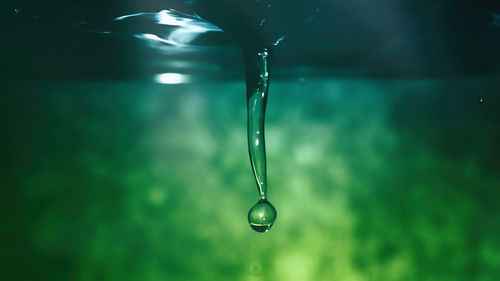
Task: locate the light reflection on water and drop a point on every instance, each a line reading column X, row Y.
column 180, row 28
column 172, row 78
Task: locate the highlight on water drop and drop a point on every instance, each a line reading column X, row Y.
column 261, row 216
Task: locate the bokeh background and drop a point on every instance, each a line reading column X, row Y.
column 372, row 180
column 382, row 132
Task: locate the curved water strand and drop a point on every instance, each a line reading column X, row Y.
column 263, row 214
column 257, row 79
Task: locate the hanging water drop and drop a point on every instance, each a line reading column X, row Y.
column 262, row 216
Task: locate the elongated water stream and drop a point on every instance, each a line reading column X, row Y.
column 262, row 215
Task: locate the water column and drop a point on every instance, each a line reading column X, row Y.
column 262, row 215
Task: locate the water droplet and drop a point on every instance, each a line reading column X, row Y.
column 262, row 216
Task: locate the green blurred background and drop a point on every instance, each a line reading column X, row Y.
column 372, row 180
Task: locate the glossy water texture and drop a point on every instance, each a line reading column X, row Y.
column 257, row 80
column 167, row 30
column 261, row 216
